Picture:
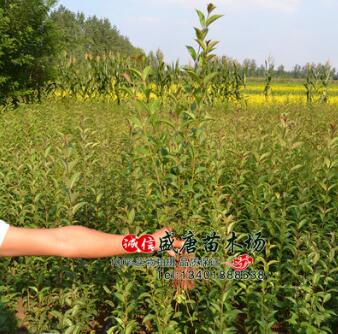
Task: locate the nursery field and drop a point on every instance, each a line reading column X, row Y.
column 125, row 169
column 244, row 171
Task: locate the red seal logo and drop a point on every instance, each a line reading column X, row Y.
column 240, row 262
column 146, row 243
column 129, row 243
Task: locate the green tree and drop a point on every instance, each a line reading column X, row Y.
column 69, row 28
column 27, row 43
column 80, row 35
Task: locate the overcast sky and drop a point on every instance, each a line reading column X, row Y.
column 291, row 31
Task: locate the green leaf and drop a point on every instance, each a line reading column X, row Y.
column 168, row 123
column 296, row 167
column 56, row 314
column 209, row 77
column 141, row 106
column 119, row 296
column 200, row 169
column 146, row 72
column 211, row 45
column 213, row 18
column 135, row 121
column 131, row 216
column 193, row 75
column 148, row 317
column 77, row 207
column 105, row 288
column 136, row 72
column 192, row 52
column 192, row 116
column 74, row 180
column 72, row 164
column 201, row 44
column 130, row 327
column 70, row 330
column 200, row 34
column 201, row 17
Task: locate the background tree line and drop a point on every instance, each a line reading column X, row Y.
column 79, row 35
column 297, row 72
column 34, row 36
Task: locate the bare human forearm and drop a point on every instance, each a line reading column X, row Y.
column 69, row 241
column 79, row 241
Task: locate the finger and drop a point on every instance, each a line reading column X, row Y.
column 178, row 243
column 171, row 253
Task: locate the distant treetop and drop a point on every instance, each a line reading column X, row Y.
column 80, row 35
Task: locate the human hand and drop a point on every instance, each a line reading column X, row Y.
column 180, row 282
column 163, row 233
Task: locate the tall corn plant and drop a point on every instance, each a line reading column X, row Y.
column 311, row 84
column 268, row 74
column 325, row 79
column 317, row 82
